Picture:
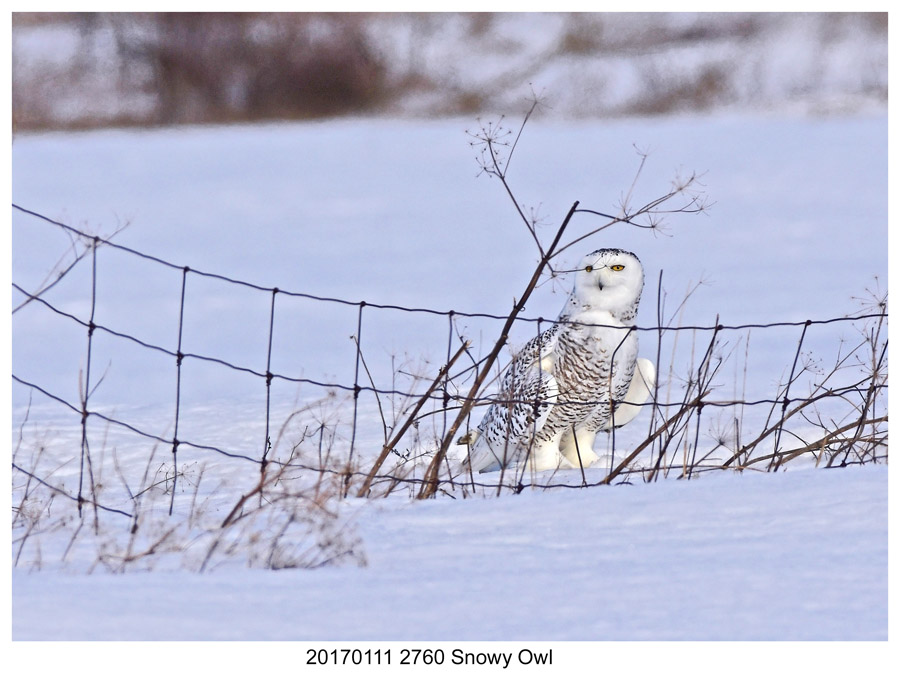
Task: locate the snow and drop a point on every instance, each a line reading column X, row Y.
column 798, row 556
column 391, row 211
column 256, row 203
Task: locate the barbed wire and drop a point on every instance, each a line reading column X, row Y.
column 444, row 396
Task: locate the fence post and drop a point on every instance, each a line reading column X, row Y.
column 356, row 381
column 267, row 443
column 85, row 447
column 179, row 357
column 775, row 464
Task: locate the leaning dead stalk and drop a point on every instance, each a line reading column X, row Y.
column 389, row 447
column 431, row 475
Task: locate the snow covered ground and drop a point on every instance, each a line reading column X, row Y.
column 392, row 212
column 795, row 556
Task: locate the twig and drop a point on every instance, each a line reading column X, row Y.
column 65, row 494
column 429, row 488
column 389, row 446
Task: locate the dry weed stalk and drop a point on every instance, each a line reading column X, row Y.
column 294, row 526
column 495, row 154
column 861, row 439
column 411, row 419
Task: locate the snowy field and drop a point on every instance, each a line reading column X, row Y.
column 392, row 212
column 753, row 557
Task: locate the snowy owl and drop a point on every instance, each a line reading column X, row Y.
column 556, row 395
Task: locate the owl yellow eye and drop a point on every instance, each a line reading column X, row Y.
column 589, row 268
column 617, row 267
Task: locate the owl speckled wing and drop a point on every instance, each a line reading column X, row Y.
column 525, row 398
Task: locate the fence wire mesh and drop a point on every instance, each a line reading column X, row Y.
column 398, row 416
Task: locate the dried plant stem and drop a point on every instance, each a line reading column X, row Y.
column 664, row 428
column 431, row 475
column 388, row 448
column 817, row 446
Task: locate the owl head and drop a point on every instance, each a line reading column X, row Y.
column 610, row 280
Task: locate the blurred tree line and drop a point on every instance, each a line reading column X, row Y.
column 235, row 66
column 100, row 69
column 213, row 66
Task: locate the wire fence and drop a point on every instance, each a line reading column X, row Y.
column 436, row 394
